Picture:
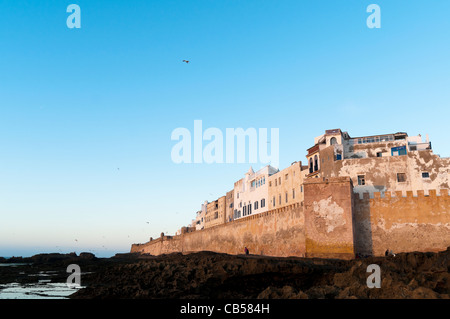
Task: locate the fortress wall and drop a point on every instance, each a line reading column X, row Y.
column 328, row 218
column 277, row 232
column 333, row 223
column 162, row 245
column 411, row 223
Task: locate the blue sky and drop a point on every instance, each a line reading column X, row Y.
column 86, row 114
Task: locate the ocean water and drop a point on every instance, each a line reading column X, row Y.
column 43, row 289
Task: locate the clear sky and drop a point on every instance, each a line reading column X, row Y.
column 86, row 115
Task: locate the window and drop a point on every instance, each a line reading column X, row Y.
column 279, row 199
column 286, row 176
column 361, row 180
column 286, row 197
column 270, row 184
column 379, row 154
column 293, row 193
column 253, row 183
column 256, row 205
column 264, row 180
column 249, row 209
column 244, row 211
column 316, row 163
column 333, row 141
column 310, row 165
column 338, row 157
column 279, row 180
column 263, row 202
column 400, row 150
column 425, row 175
column 237, row 195
column 401, row 177
column 301, row 188
column 275, row 182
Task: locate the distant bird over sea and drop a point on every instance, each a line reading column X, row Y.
column 187, row 61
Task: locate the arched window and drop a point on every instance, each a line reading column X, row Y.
column 333, row 141
column 316, row 163
column 310, row 165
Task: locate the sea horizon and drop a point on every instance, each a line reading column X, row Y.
column 96, row 254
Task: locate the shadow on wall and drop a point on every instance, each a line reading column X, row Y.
column 362, row 226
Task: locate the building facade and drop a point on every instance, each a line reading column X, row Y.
column 379, row 163
column 215, row 212
column 251, row 193
column 229, row 216
column 286, row 186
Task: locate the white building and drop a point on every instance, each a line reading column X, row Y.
column 251, row 193
column 199, row 221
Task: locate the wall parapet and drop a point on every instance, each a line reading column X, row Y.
column 443, row 193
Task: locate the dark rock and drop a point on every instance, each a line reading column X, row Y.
column 214, row 275
column 88, row 256
column 14, row 259
column 51, row 257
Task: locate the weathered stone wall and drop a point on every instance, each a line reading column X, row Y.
column 277, row 232
column 328, row 218
column 162, row 245
column 380, row 173
column 403, row 224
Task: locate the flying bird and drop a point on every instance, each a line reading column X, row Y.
column 187, row 61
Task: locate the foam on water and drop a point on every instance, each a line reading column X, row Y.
column 41, row 290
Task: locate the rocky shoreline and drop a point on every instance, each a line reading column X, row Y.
column 209, row 275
